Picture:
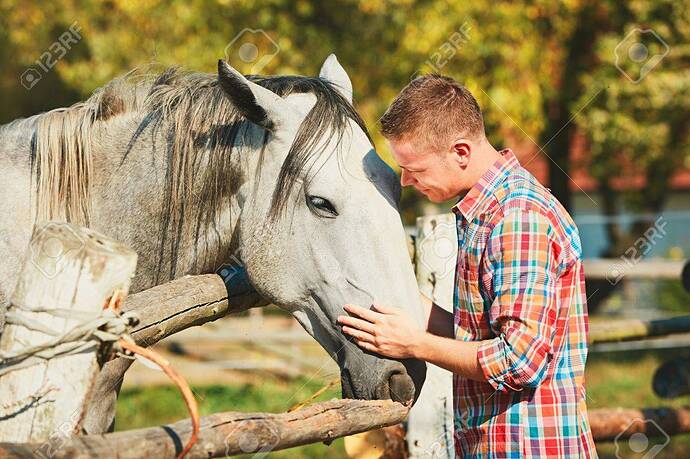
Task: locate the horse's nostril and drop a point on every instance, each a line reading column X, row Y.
column 401, row 388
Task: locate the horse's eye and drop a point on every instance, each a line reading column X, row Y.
column 321, row 206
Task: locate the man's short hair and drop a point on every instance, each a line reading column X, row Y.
column 432, row 109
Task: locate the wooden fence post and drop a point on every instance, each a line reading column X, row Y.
column 430, row 423
column 71, row 275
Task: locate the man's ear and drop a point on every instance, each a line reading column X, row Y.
column 462, row 150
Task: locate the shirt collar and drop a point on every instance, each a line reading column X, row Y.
column 470, row 204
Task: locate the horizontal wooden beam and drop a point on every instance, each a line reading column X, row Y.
column 186, row 302
column 225, row 434
column 233, row 433
column 162, row 311
column 624, row 330
column 614, row 269
column 617, row 423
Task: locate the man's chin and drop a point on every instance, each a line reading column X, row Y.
column 435, row 197
column 431, row 196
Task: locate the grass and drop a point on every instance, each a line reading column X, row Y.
column 613, row 379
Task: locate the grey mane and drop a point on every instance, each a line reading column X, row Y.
column 200, row 126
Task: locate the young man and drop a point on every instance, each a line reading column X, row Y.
column 517, row 341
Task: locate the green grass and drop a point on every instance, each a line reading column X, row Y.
column 614, row 379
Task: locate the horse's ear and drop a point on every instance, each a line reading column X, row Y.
column 256, row 103
column 332, row 71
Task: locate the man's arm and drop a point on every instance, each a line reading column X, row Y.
column 439, row 347
column 458, row 357
column 522, row 259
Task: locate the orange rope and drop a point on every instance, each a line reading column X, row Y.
column 189, row 399
column 304, row 403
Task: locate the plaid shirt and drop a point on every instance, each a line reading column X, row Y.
column 520, row 290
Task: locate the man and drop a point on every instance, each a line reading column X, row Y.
column 517, row 341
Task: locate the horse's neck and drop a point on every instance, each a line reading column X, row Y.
column 180, row 216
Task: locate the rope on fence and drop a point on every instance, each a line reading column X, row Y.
column 107, row 326
column 126, row 343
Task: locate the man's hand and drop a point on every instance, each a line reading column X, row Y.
column 384, row 330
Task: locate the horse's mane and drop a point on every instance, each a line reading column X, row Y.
column 201, row 126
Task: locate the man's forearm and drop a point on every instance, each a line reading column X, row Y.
column 458, row 357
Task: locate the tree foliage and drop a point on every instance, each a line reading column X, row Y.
column 543, row 71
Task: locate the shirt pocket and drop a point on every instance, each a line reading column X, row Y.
column 472, row 306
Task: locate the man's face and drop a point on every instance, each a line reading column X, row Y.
column 436, row 174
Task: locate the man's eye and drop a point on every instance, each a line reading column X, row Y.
column 321, row 206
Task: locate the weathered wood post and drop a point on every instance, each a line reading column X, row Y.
column 430, row 423
column 70, row 275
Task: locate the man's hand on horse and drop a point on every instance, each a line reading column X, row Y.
column 382, row 329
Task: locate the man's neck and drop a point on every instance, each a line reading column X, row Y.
column 485, row 157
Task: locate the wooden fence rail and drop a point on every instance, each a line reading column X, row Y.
column 233, row 433
column 631, row 329
column 614, row 268
column 224, row 434
column 615, row 423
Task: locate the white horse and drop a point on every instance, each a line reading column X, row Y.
column 190, row 168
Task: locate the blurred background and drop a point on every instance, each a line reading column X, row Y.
column 593, row 97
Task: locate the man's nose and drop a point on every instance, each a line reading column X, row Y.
column 405, row 178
